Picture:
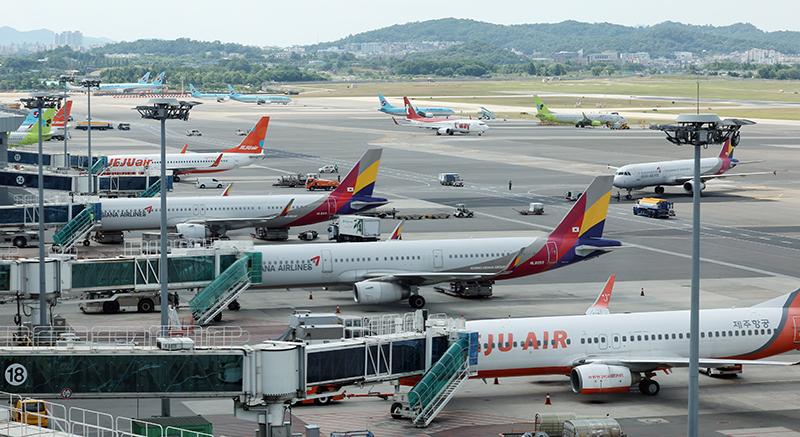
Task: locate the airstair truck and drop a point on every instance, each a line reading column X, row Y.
column 652, row 207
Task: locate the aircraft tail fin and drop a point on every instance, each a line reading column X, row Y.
column 62, row 115
column 30, row 120
column 232, row 91
column 540, row 108
column 161, row 79
column 361, row 179
column 253, row 142
column 144, row 78
column 727, row 149
column 384, row 103
column 193, row 90
column 601, row 304
column 47, row 121
column 411, row 113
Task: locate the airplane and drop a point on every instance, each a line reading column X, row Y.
column 157, row 85
column 611, row 353
column 579, row 120
column 386, row 108
column 257, row 99
column 198, row 95
column 247, row 152
column 204, row 216
column 386, row 273
column 680, row 172
column 53, row 126
column 448, row 127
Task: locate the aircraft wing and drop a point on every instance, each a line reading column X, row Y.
column 652, row 363
column 725, row 175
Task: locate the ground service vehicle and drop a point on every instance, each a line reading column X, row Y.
column 534, row 208
column 30, row 412
column 96, row 125
column 193, row 133
column 114, row 301
column 652, row 207
column 355, row 228
column 462, row 211
column 124, row 126
column 720, row 371
column 241, row 133
column 308, row 235
column 290, row 180
column 320, row 184
column 452, row 179
column 329, row 169
column 19, row 238
column 204, row 182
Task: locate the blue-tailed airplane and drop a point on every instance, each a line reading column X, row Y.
column 142, row 86
column 257, row 99
column 386, row 108
column 221, row 97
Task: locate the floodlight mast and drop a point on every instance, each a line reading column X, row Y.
column 698, row 130
column 40, row 101
column 89, row 84
column 64, row 78
column 163, row 110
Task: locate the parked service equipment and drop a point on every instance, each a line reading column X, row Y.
column 355, row 228
column 451, row 179
column 203, row 182
column 593, row 428
column 124, row 126
column 320, row 184
column 96, row 125
column 193, row 133
column 30, row 412
column 462, row 211
column 308, row 235
column 114, row 301
column 534, row 208
column 652, row 207
column 290, row 180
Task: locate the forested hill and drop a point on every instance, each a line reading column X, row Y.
column 478, row 50
column 545, row 39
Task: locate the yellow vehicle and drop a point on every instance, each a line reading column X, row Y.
column 31, row 412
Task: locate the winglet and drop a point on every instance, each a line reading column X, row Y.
column 287, row 208
column 396, row 234
column 395, row 121
column 184, row 148
column 219, row 159
column 253, row 142
column 227, row 190
column 601, row 304
column 513, row 263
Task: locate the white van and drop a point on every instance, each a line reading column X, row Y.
column 208, row 183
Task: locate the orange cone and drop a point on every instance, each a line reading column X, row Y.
column 547, row 401
column 337, row 310
column 310, row 296
column 642, row 292
column 496, row 382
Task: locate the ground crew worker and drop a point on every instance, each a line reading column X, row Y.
column 509, row 185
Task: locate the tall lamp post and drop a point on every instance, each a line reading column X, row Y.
column 163, row 110
column 698, row 130
column 89, row 84
column 64, row 79
column 40, row 101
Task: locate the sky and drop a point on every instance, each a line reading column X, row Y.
column 304, row 22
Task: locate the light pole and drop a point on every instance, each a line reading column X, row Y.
column 64, row 79
column 699, row 130
column 41, row 101
column 89, row 84
column 164, row 109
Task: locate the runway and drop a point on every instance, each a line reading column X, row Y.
column 750, row 249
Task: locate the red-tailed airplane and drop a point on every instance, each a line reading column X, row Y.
column 610, row 353
column 442, row 127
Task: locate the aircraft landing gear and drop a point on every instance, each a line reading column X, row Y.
column 649, row 387
column 628, row 196
column 176, row 178
column 659, row 189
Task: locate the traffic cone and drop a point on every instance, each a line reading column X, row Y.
column 642, row 292
column 547, row 401
column 496, row 382
column 337, row 310
column 310, row 296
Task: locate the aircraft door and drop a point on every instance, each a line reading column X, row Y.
column 603, row 342
column 552, row 252
column 327, row 263
column 615, row 341
column 195, row 210
column 438, row 259
column 331, row 205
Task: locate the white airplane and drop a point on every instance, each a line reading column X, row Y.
column 611, row 353
column 386, row 273
column 54, row 125
column 442, row 127
column 579, row 120
column 247, row 152
column 257, row 98
column 198, row 95
column 141, row 86
column 204, row 216
column 680, row 172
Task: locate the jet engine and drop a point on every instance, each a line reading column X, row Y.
column 602, row 378
column 688, row 186
column 444, row 131
column 373, row 292
column 193, row 230
column 427, row 115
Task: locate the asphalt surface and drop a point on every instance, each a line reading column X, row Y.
column 750, row 249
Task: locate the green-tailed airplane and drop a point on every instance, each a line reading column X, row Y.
column 579, row 120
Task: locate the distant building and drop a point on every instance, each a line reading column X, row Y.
column 371, row 48
column 69, row 38
column 562, row 57
column 638, row 57
column 683, row 56
column 606, row 56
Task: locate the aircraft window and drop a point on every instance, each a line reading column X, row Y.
column 515, row 344
column 737, row 333
column 646, row 338
column 633, row 338
column 595, row 340
column 723, row 333
column 384, row 258
column 639, row 338
column 688, row 335
column 616, row 339
column 492, row 345
column 569, row 341
column 702, row 335
column 762, row 332
column 624, row 338
column 418, row 257
column 680, row 335
column 506, row 344
column 449, row 256
column 716, row 334
column 730, row 334
column 602, row 340
column 486, row 346
column 673, row 336
column 749, row 332
column 583, row 341
column 530, row 343
column 552, row 342
column 769, row 331
column 538, row 342
column 659, row 336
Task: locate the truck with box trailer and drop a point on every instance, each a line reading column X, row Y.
column 355, row 228
column 652, row 207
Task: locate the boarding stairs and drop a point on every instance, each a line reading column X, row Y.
column 75, row 230
column 98, row 166
column 487, row 114
column 208, row 304
column 152, row 190
column 439, row 384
